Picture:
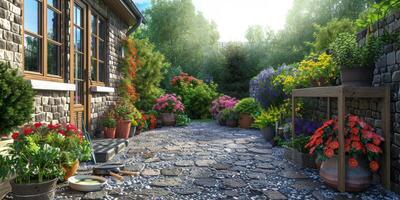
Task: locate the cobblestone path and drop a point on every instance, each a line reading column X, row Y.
column 207, row 161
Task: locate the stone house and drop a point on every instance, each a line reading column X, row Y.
column 69, row 51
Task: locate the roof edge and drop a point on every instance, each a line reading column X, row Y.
column 134, row 9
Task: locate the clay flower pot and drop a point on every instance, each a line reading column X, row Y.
column 245, row 121
column 268, row 133
column 70, row 171
column 357, row 179
column 43, row 191
column 123, row 128
column 109, row 132
column 168, row 119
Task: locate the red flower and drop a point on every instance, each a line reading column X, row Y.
column 62, row 132
column 334, row 145
column 28, row 131
column 15, row 135
column 373, row 148
column 356, row 145
column 354, row 131
column 353, row 162
column 352, row 124
column 70, row 127
column 377, row 141
column 37, row 124
column 329, row 152
column 374, row 166
column 53, row 127
column 355, row 138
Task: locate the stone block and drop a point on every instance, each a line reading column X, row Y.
column 45, row 100
column 51, row 101
column 60, row 108
column 38, row 109
column 395, row 151
column 396, row 76
column 63, row 120
column 40, row 117
column 53, row 109
column 46, row 108
column 57, row 101
column 56, row 115
column 396, row 139
column 386, row 77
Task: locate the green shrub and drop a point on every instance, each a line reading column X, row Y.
column 229, row 114
column 16, row 102
column 182, row 120
column 267, row 118
column 248, row 106
column 109, row 122
column 298, row 143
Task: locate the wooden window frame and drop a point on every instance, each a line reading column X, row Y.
column 43, row 65
column 97, row 82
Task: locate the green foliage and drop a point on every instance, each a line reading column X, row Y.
column 182, row 120
column 248, row 106
column 151, row 71
column 325, row 35
column 298, row 143
column 197, row 98
column 16, row 102
column 376, row 12
column 229, row 114
column 171, row 73
column 181, row 33
column 123, row 110
column 109, row 122
column 268, row 118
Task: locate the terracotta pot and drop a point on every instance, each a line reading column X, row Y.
column 70, row 171
column 34, row 191
column 168, row 119
column 123, row 128
column 109, row 132
column 357, row 179
column 232, row 123
column 132, row 132
column 268, row 133
column 357, row 76
column 245, row 121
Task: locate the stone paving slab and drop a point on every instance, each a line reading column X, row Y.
column 205, row 161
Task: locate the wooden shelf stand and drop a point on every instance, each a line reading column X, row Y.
column 341, row 93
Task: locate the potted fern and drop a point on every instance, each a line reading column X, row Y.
column 247, row 108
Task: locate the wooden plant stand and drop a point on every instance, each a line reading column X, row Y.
column 341, row 93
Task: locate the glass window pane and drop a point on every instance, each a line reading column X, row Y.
column 93, row 47
column 102, row 50
column 102, row 72
column 53, row 59
column 31, row 15
column 54, row 3
column 53, row 25
column 94, row 70
column 79, row 92
column 31, row 54
column 103, row 29
column 78, row 39
column 78, row 66
column 94, row 24
column 78, row 15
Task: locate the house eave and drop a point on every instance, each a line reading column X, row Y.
column 126, row 10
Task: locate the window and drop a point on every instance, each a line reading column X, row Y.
column 98, row 48
column 42, row 39
column 79, row 54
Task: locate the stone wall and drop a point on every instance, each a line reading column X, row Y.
column 52, row 107
column 11, row 32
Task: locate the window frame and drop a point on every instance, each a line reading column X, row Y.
column 44, row 41
column 98, row 82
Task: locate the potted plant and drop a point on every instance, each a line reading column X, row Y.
column 266, row 122
column 109, row 124
column 356, row 62
column 221, row 103
column 122, row 112
column 231, row 117
column 248, row 108
column 152, row 119
column 182, row 120
column 39, row 156
column 135, row 116
column 142, row 123
column 168, row 105
column 362, row 149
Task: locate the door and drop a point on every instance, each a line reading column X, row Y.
column 79, row 111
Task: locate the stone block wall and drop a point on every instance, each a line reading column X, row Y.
column 11, row 48
column 51, row 107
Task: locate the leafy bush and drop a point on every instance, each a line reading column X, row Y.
column 298, row 143
column 229, row 114
column 221, row 103
column 182, row 120
column 318, row 72
column 169, row 103
column 196, row 95
column 153, row 67
column 16, row 102
column 109, row 122
column 263, row 89
column 248, row 106
column 376, row 12
column 267, row 118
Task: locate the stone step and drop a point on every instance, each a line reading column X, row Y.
column 106, row 149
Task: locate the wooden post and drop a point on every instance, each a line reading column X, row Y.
column 386, row 134
column 328, row 113
column 341, row 156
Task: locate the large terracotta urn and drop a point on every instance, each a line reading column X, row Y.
column 109, row 132
column 123, row 128
column 168, row 119
column 245, row 121
column 357, row 179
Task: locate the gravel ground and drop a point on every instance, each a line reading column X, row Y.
column 207, row 161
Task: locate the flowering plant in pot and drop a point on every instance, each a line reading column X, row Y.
column 356, row 62
column 134, row 116
column 362, row 149
column 123, row 112
column 248, row 108
column 109, row 124
column 151, row 119
column 168, row 105
column 221, row 103
column 41, row 154
column 266, row 122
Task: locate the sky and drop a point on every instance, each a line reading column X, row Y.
column 233, row 17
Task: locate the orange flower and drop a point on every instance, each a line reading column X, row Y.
column 334, row 145
column 354, row 131
column 374, row 166
column 329, row 152
column 353, row 162
column 356, row 145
